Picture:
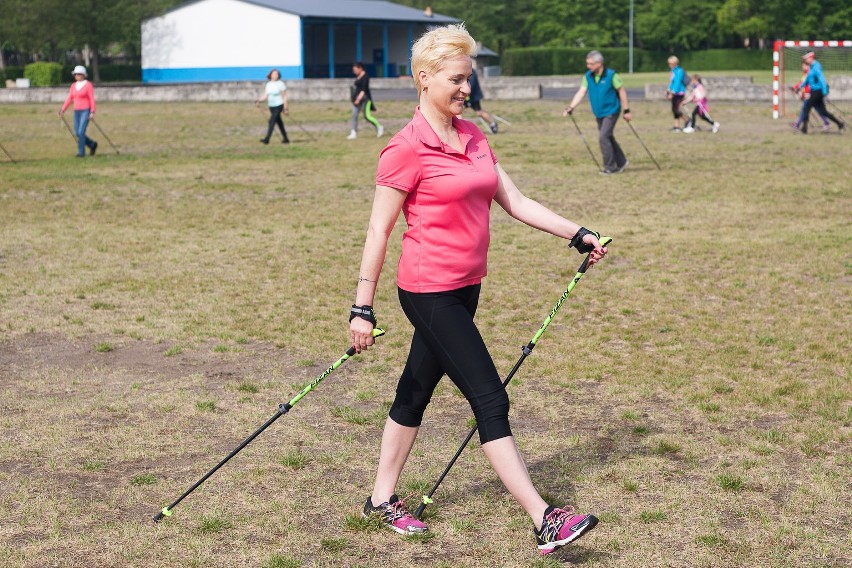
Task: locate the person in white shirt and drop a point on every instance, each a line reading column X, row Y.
column 275, row 95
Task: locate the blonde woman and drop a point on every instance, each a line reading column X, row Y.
column 441, row 174
column 676, row 92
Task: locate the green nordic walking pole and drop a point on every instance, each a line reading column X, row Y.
column 283, row 409
column 526, row 350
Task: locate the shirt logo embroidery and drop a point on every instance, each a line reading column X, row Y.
column 481, row 156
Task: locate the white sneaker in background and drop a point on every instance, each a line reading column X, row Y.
column 689, row 130
column 379, row 131
column 352, row 135
column 716, row 126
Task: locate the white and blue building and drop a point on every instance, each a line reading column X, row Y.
column 241, row 40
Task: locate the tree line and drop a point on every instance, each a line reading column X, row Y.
column 668, row 25
column 53, row 30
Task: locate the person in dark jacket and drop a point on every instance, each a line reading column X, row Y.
column 474, row 102
column 362, row 99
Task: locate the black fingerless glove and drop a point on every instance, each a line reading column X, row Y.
column 577, row 241
column 363, row 312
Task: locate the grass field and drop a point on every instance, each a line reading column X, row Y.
column 155, row 307
column 634, row 80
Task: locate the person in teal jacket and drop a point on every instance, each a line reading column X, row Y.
column 677, row 91
column 608, row 99
column 818, row 85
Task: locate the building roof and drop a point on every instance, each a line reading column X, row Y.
column 354, row 9
column 375, row 10
column 482, row 51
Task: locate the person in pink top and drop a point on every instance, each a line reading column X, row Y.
column 440, row 172
column 82, row 94
column 702, row 108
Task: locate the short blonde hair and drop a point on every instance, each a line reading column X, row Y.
column 435, row 46
column 673, row 59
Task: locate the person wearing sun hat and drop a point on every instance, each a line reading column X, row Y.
column 82, row 94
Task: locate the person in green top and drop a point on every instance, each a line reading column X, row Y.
column 608, row 99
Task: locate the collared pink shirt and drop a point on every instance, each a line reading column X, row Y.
column 447, row 207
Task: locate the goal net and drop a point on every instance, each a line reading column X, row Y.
column 836, row 60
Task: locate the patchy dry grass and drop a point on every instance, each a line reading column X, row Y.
column 155, row 307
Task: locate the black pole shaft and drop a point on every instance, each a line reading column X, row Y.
column 282, row 410
column 643, row 145
column 101, row 130
column 526, row 351
column 583, row 138
column 7, row 153
column 71, row 132
column 419, row 512
column 838, row 109
column 302, row 128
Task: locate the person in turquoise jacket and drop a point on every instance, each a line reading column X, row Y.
column 677, row 91
column 608, row 99
column 818, row 85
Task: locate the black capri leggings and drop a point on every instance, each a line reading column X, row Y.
column 677, row 100
column 447, row 341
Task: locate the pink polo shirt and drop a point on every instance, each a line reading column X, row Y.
column 448, row 205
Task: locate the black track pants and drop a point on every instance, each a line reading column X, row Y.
column 275, row 119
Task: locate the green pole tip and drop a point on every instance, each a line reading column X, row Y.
column 166, row 511
column 427, row 500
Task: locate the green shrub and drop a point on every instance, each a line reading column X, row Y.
column 727, row 59
column 43, row 74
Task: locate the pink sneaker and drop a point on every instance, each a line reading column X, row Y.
column 394, row 515
column 561, row 526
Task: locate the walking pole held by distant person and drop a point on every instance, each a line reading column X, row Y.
column 589, row 148
column 643, row 145
column 302, row 128
column 71, row 132
column 842, row 112
column 7, row 153
column 101, row 130
column 501, row 119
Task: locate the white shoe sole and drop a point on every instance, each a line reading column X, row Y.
column 585, row 526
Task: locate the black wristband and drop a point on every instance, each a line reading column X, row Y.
column 577, row 240
column 363, row 312
column 626, row 111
